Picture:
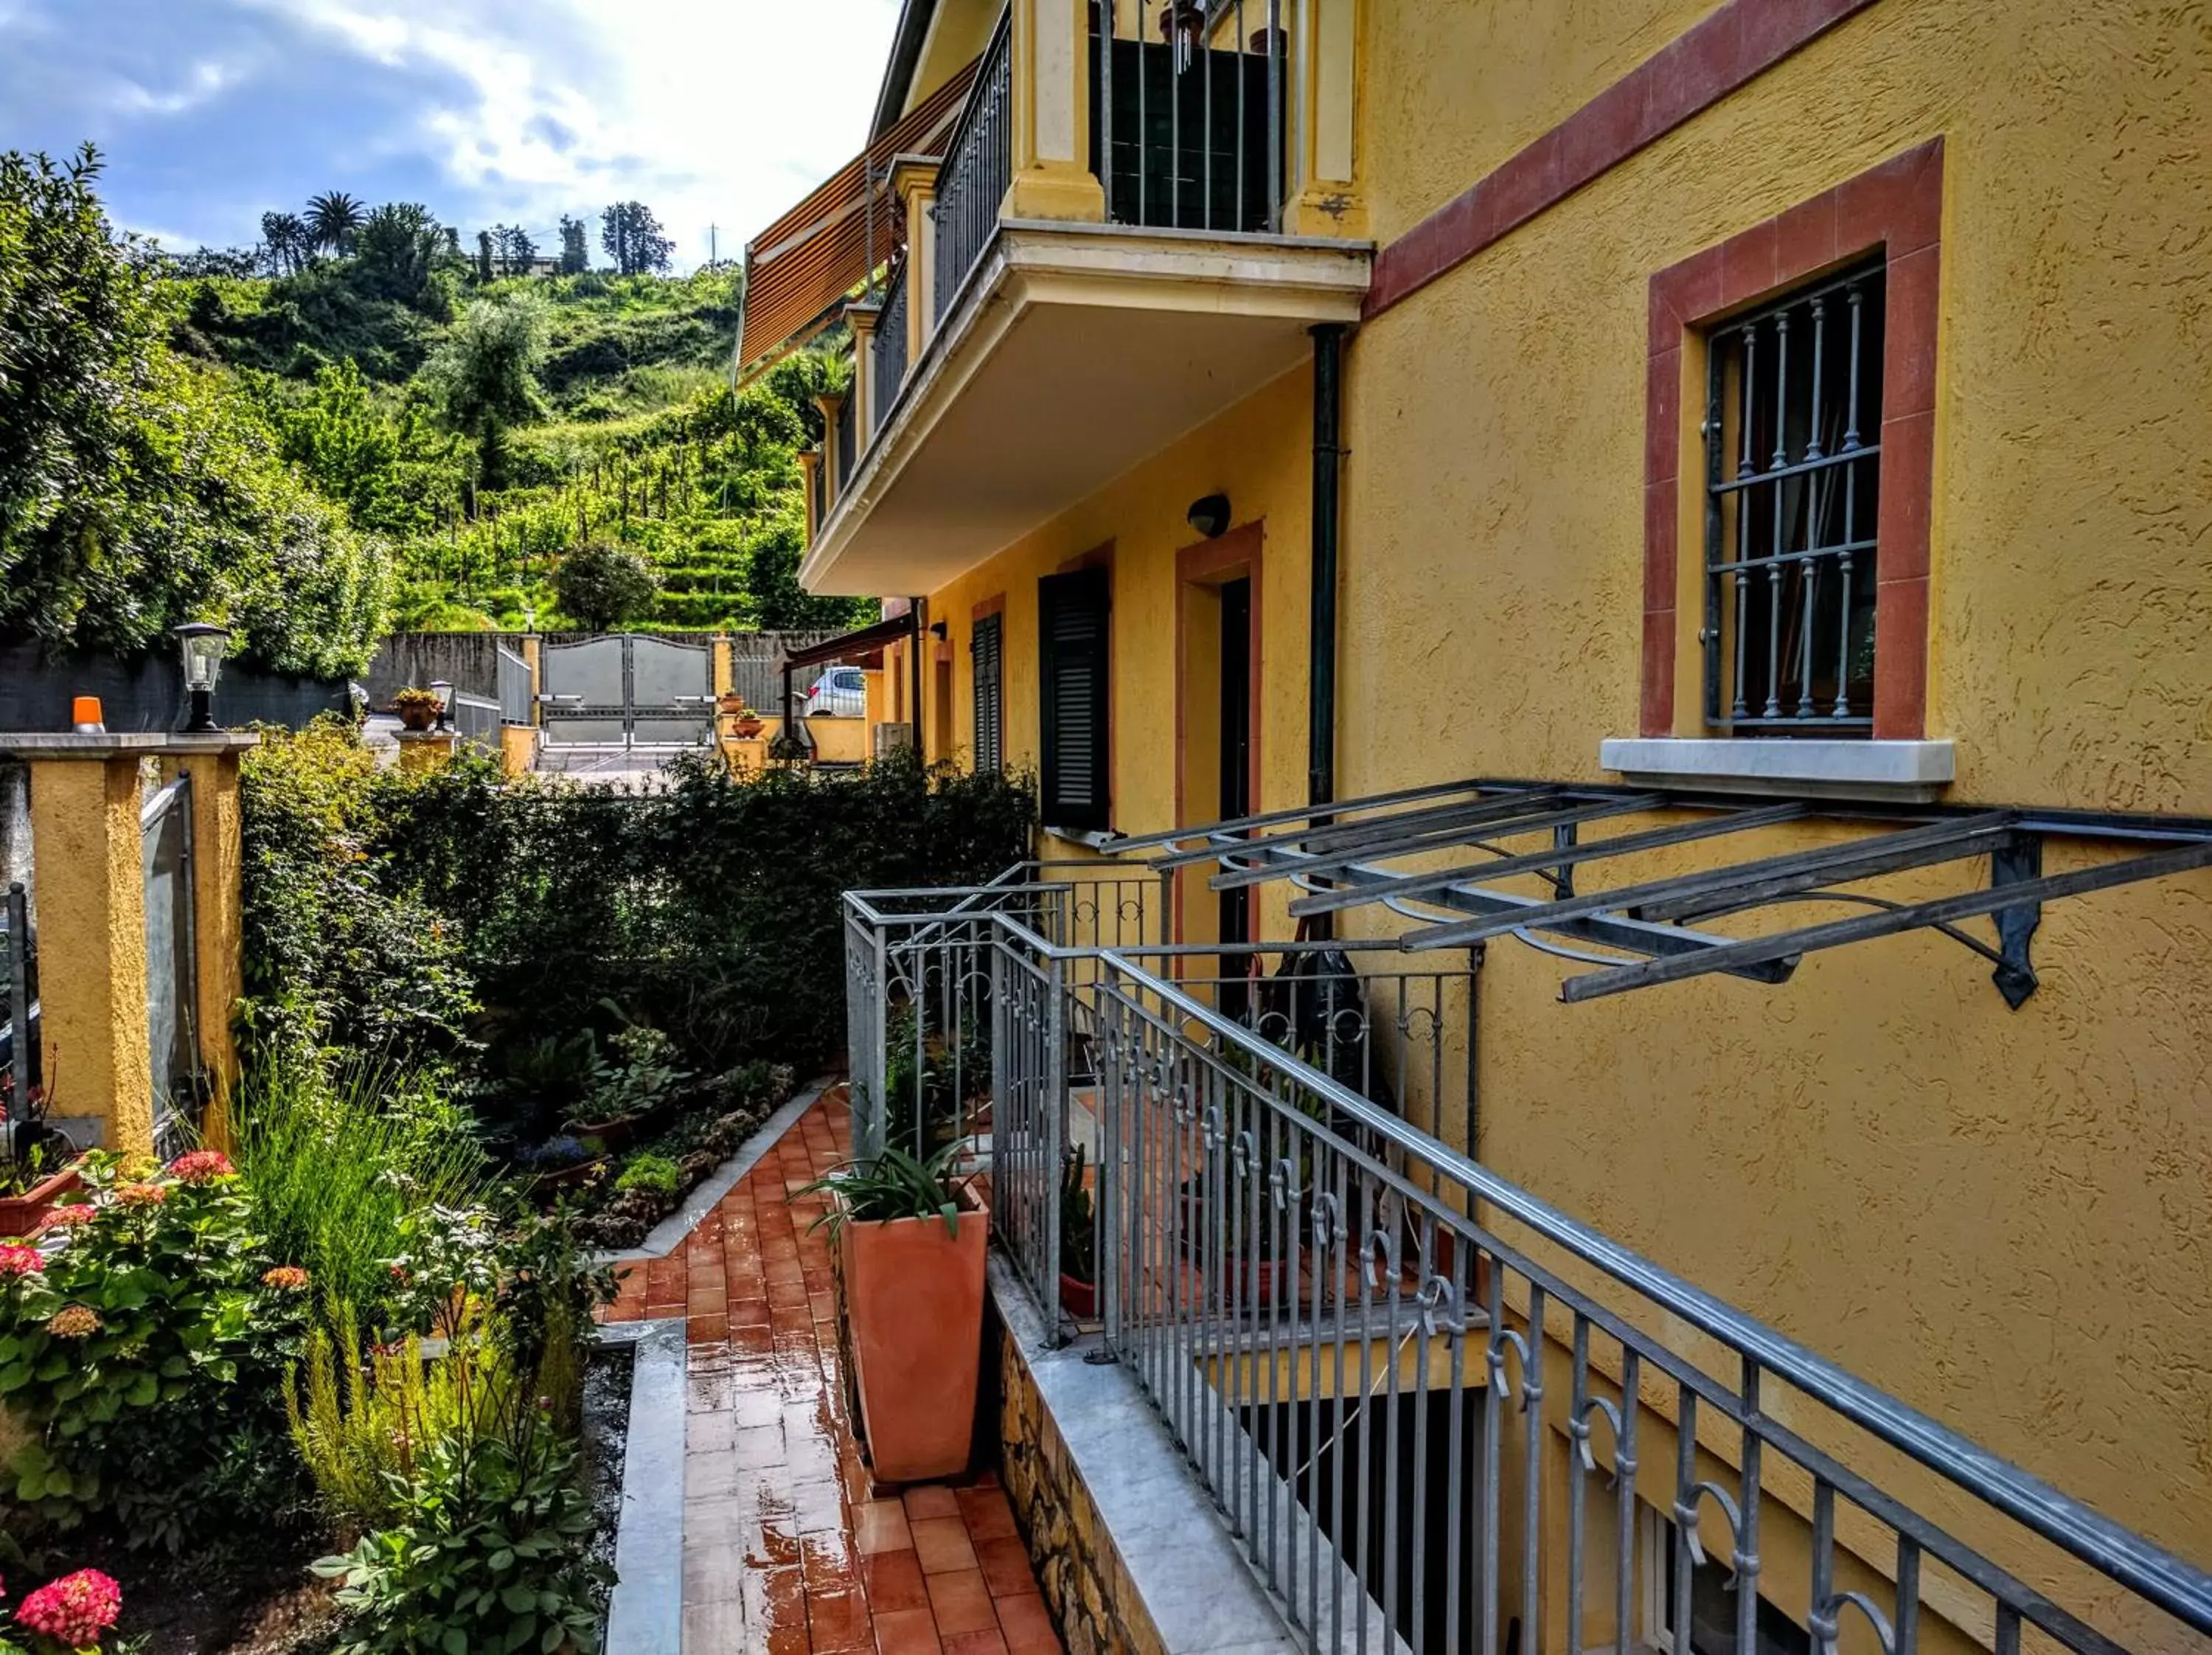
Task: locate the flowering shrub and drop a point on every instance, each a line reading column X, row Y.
column 67, row 1616
column 154, row 1309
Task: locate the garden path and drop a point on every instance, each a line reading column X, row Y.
column 785, row 1552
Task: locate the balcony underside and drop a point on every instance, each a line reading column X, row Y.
column 1072, row 353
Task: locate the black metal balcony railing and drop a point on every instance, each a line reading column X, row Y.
column 889, row 349
column 1187, row 127
column 979, row 165
column 1436, row 1413
column 847, row 435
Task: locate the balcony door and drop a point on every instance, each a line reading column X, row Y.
column 1218, row 725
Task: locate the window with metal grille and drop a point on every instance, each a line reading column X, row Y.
column 1793, row 419
column 1072, row 611
column 986, row 656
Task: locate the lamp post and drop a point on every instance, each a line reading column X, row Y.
column 444, row 691
column 202, row 644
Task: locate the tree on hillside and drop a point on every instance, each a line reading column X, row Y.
column 575, row 255
column 396, row 250
column 333, row 219
column 485, row 374
column 514, row 248
column 633, row 239
column 138, row 492
column 604, row 584
column 286, row 243
column 483, row 257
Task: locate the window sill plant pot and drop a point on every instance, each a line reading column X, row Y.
column 912, row 1290
column 20, row 1215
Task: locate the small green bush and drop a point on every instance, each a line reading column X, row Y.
column 654, row 1172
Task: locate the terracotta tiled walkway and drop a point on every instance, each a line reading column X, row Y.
column 785, row 1551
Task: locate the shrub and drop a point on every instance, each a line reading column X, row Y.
column 334, row 1164
column 654, row 1172
column 603, row 584
column 161, row 1307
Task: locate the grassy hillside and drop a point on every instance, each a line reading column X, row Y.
column 610, row 421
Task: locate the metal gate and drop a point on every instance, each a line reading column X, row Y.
column 165, row 827
column 629, row 689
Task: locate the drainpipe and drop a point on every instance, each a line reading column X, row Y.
column 914, row 675
column 1321, row 668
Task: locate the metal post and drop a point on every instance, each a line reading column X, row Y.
column 1047, row 1278
column 19, row 1004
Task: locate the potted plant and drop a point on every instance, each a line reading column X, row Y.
column 640, row 1086
column 1247, row 1259
column 417, row 709
column 41, row 1171
column 562, row 1163
column 910, row 1247
column 749, row 723
column 1079, row 1240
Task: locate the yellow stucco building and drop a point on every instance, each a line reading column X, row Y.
column 1794, row 402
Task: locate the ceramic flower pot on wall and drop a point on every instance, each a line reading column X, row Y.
column 914, row 1309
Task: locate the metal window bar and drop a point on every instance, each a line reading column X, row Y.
column 889, row 347
column 1189, row 113
column 1792, row 488
column 979, row 166
column 1361, row 1340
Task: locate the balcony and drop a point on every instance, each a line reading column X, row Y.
column 1359, row 1341
column 1107, row 254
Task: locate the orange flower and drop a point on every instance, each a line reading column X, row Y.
column 142, row 1195
column 285, row 1278
column 73, row 1322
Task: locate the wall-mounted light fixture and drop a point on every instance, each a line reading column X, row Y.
column 1209, row 516
column 938, row 630
column 202, row 644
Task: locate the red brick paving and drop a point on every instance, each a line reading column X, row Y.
column 787, row 1551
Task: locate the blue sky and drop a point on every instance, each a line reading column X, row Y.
column 211, row 111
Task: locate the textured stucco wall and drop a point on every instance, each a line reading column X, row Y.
column 2004, row 1218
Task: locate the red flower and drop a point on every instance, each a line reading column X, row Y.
column 20, row 1260
column 67, row 1218
column 75, row 1610
column 202, row 1166
column 285, row 1278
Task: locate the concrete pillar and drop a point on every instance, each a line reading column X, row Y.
column 1327, row 198
column 810, row 461
column 831, row 407
column 914, row 177
column 862, row 319
column 1052, row 176
column 92, row 944
column 719, row 653
column 421, row 751
column 533, row 652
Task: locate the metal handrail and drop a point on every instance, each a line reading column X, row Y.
column 2167, row 1580
column 888, row 348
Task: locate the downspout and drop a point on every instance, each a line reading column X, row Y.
column 1321, row 666
column 914, row 649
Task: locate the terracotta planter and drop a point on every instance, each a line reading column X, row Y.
column 914, row 1309
column 1079, row 1299
column 748, row 727
column 417, row 718
column 22, row 1215
column 567, row 1178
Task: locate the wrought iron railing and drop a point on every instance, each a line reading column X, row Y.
column 889, row 349
column 1438, row 1413
column 979, row 165
column 1188, row 113
column 848, row 426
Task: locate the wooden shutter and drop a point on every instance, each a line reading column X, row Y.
column 987, row 657
column 1072, row 619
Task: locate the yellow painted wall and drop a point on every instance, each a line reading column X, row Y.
column 2001, row 1217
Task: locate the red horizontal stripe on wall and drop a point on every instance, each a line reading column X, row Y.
column 1737, row 43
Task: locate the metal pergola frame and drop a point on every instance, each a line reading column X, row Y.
column 1337, row 856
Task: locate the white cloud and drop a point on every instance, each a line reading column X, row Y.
column 203, row 83
column 714, row 112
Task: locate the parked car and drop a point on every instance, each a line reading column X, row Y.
column 841, row 692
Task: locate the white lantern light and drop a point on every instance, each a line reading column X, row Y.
column 444, row 691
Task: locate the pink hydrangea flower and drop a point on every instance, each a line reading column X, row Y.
column 20, row 1260
column 75, row 1610
column 285, row 1278
column 202, row 1166
column 69, row 1218
column 142, row 1195
column 73, row 1322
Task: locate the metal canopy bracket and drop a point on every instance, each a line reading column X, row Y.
column 1338, row 861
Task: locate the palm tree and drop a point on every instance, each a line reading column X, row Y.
column 288, row 241
column 333, row 217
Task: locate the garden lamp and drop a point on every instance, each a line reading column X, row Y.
column 444, row 691
column 202, row 644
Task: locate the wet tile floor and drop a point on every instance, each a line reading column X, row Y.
column 786, row 1550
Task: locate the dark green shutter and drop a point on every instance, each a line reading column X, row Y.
column 987, row 655
column 1072, row 631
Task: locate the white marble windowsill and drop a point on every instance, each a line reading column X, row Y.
column 1904, row 771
